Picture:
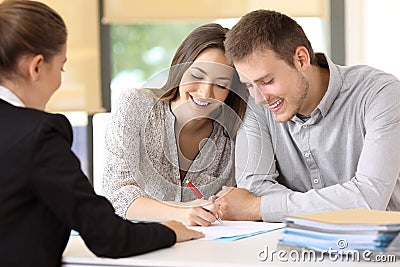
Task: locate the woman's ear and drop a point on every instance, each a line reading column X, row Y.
column 35, row 67
column 302, row 58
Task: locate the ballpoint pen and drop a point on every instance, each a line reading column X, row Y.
column 199, row 195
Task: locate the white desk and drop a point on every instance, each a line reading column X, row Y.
column 198, row 253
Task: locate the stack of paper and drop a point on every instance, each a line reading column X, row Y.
column 354, row 229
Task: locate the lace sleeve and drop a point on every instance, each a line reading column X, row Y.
column 122, row 152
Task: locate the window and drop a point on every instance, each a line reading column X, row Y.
column 142, row 50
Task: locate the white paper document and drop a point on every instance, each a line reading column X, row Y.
column 233, row 230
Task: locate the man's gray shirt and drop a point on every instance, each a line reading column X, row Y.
column 346, row 155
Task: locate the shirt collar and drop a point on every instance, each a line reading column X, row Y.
column 334, row 86
column 8, row 96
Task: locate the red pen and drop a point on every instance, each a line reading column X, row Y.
column 199, row 195
column 196, row 191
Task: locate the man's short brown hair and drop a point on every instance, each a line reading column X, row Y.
column 266, row 29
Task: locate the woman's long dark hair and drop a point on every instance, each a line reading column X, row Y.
column 206, row 36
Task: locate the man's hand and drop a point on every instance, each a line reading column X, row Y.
column 238, row 204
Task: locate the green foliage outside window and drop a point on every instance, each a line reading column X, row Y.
column 142, row 50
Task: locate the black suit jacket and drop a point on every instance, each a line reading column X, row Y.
column 44, row 194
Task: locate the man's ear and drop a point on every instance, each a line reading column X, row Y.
column 302, row 58
column 36, row 65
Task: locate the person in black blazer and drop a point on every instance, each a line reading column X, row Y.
column 43, row 192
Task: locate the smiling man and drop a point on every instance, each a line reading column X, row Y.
column 316, row 136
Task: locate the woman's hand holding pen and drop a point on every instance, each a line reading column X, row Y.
column 201, row 212
column 214, row 208
column 210, row 207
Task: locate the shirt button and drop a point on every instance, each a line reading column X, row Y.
column 307, row 154
column 305, row 126
column 316, row 181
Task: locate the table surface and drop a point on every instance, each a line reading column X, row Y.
column 258, row 250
